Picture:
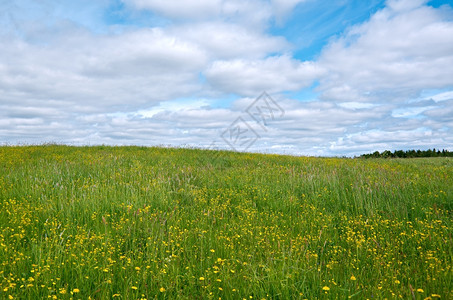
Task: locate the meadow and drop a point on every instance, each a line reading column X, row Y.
column 159, row 223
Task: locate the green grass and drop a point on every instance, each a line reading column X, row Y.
column 136, row 222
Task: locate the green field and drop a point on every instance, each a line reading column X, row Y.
column 136, row 222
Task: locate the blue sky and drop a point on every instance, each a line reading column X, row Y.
column 350, row 76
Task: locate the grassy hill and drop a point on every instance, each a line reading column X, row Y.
column 136, row 222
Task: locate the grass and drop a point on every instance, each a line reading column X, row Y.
column 155, row 223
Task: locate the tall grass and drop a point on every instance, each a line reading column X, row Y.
column 136, row 222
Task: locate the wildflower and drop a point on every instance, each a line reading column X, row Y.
column 397, row 281
column 162, row 289
column 435, row 295
column 75, row 291
column 62, row 291
column 326, row 288
column 134, row 287
column 353, row 278
column 137, row 268
column 420, row 290
column 212, row 250
column 201, row 278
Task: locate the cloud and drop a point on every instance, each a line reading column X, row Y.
column 442, row 96
column 198, row 9
column 393, row 56
column 253, row 13
column 228, row 40
column 405, row 5
column 282, row 8
column 101, row 72
column 251, row 77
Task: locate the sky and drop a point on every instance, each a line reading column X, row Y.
column 298, row 77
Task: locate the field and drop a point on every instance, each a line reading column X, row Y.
column 159, row 223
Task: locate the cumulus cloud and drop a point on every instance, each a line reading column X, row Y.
column 254, row 13
column 400, row 51
column 229, row 41
column 176, row 9
column 136, row 68
column 249, row 77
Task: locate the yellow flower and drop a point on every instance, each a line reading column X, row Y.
column 435, row 295
column 201, row 278
column 162, row 289
column 10, row 297
column 75, row 291
column 326, row 288
column 63, row 291
column 212, row 250
column 134, row 287
column 353, row 278
column 420, row 290
column 137, row 268
column 397, row 281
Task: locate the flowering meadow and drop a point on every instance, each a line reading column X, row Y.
column 158, row 223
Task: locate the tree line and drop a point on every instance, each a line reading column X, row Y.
column 409, row 153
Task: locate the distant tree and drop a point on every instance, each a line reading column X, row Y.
column 409, row 153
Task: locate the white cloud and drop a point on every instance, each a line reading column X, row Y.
column 356, row 105
column 198, row 9
column 227, row 40
column 251, row 77
column 442, row 96
column 281, row 8
column 101, row 72
column 404, row 5
column 391, row 57
column 250, row 12
column 253, row 13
